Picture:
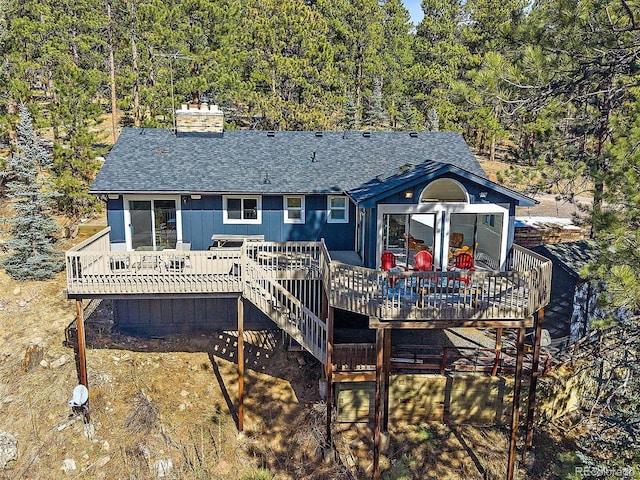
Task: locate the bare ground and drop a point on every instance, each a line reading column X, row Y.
column 155, row 401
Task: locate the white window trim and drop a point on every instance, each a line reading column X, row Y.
column 241, row 221
column 443, row 210
column 346, row 209
column 286, row 210
column 127, row 215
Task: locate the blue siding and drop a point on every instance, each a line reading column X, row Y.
column 153, row 317
column 203, row 218
column 115, row 219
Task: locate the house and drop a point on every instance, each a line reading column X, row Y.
column 213, row 230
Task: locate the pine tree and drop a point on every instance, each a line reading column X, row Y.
column 33, row 229
column 350, row 120
column 433, row 121
column 376, row 116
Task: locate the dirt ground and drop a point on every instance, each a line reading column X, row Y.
column 166, row 408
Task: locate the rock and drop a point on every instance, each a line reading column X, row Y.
column 105, row 446
column 44, row 364
column 60, row 361
column 68, row 465
column 32, row 357
column 8, row 448
column 22, row 303
column 184, row 393
column 162, row 468
column 16, row 291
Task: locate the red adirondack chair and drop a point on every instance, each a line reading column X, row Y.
column 463, row 262
column 423, row 262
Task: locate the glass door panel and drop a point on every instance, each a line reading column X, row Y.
column 141, row 226
column 164, row 214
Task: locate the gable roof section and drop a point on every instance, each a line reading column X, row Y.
column 408, row 177
column 249, row 161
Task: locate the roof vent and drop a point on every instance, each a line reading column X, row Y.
column 366, row 134
column 319, row 134
column 313, row 157
column 413, row 134
column 271, row 133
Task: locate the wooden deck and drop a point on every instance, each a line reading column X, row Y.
column 391, row 300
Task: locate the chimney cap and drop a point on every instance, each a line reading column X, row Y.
column 366, row 134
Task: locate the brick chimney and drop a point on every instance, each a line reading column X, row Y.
column 200, row 119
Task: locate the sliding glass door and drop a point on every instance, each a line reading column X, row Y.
column 153, row 223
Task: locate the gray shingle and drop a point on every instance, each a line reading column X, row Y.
column 155, row 160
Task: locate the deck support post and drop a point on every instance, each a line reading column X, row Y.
column 378, row 397
column 533, row 382
column 387, row 369
column 496, row 363
column 329, row 374
column 516, row 405
column 82, row 346
column 240, row 357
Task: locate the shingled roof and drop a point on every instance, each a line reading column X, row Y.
column 250, row 161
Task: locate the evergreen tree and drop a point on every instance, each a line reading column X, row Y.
column 350, row 119
column 433, row 122
column 33, row 228
column 376, row 117
column 408, row 117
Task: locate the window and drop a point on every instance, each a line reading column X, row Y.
column 337, row 209
column 242, row 209
column 294, row 209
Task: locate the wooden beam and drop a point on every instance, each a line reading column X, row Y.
column 82, row 346
column 367, row 376
column 329, row 371
column 240, row 364
column 377, row 409
column 387, row 369
column 449, row 323
column 516, row 405
column 533, row 382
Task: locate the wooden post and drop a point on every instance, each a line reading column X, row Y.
column 387, row 368
column 329, row 371
column 82, row 346
column 377, row 410
column 240, row 364
column 496, row 363
column 533, row 382
column 516, row 406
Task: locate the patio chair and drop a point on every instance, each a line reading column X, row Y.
column 388, row 261
column 463, row 263
column 423, row 262
column 388, row 264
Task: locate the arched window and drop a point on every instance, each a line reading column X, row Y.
column 444, row 190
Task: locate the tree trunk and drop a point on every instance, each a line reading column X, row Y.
column 112, row 74
column 134, row 67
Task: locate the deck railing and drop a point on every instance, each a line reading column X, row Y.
column 302, row 267
column 480, row 295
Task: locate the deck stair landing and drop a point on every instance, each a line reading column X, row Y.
column 286, row 311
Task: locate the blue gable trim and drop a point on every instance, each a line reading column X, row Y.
column 416, row 178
